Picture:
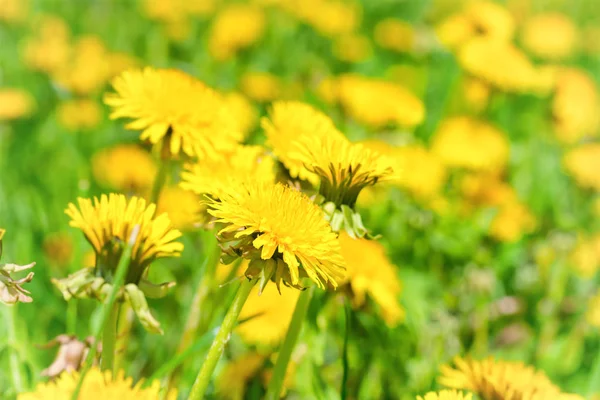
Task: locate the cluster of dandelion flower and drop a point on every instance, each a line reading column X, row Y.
column 108, row 224
column 11, row 291
column 344, row 169
column 281, row 231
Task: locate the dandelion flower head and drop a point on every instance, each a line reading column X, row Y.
column 261, row 86
column 585, row 257
column 592, row 314
column 49, row 50
column 446, row 395
column 15, row 104
column 512, row 221
column 182, row 206
column 551, row 36
column 395, row 34
column 236, row 27
column 583, row 164
column 79, row 114
column 126, row 168
column 285, row 227
column 242, row 111
column 107, row 223
column 232, row 381
column 175, row 109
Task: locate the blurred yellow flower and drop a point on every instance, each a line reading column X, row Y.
column 464, row 142
column 97, row 385
column 501, row 64
column 585, row 257
column 476, row 93
column 107, row 223
column 182, row 206
column 455, row 30
column 236, row 27
column 79, row 114
column 592, row 314
column 344, row 168
column 50, row 49
column 217, row 176
column 14, row 10
column 370, row 272
column 328, row 17
column 377, row 103
column 421, row 172
column 233, row 379
column 88, row 70
column 485, row 189
column 15, row 104
column 243, row 112
column 575, row 106
column 551, row 36
column 267, row 315
column 176, row 110
column 590, row 40
column 446, row 395
column 282, row 227
column 583, row 164
column 287, row 123
column 58, row 248
column 126, row 168
column 491, row 19
column 261, row 86
column 395, row 34
column 352, row 47
column 171, row 11
column 498, row 380
column 512, row 221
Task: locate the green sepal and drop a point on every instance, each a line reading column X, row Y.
column 76, row 285
column 154, row 291
column 138, row 303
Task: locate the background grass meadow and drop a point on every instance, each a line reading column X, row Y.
column 478, row 277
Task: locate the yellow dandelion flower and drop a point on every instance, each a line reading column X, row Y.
column 344, row 168
column 352, row 48
column 484, row 189
column 290, row 121
column 108, row 222
column 215, row 177
column 585, row 257
column 370, row 272
column 497, row 380
column 446, row 395
column 455, row 30
column 592, row 314
column 13, row 10
column 575, row 106
column 79, row 114
column 491, row 20
column 171, row 106
column 394, row 34
column 512, row 221
column 329, row 17
column 243, row 112
column 15, row 104
column 261, row 86
column 377, row 103
column 551, row 36
column 50, row 49
column 119, row 62
column 501, row 64
column 236, row 27
column 267, row 315
column 58, row 248
column 182, row 206
column 464, row 142
column 425, row 172
column 583, row 164
column 476, row 93
column 285, row 227
column 232, row 381
column 126, row 168
column 97, row 385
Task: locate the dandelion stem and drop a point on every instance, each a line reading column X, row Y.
column 159, row 181
column 109, row 339
column 285, row 352
column 218, row 345
column 13, row 357
column 108, row 307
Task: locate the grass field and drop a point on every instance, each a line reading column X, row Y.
column 312, row 199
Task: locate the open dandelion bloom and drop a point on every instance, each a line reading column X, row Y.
column 491, row 20
column 97, row 385
column 173, row 108
column 126, row 168
column 584, row 259
column 282, row 227
column 213, row 177
column 289, row 122
column 108, row 223
column 512, row 221
column 446, row 395
column 551, row 36
column 455, row 30
column 182, row 206
column 330, row 18
column 13, row 10
column 242, row 111
column 575, row 106
column 370, row 272
column 377, row 103
column 50, row 49
column 424, row 172
column 232, row 381
column 592, row 314
column 236, row 27
column 499, row 380
column 261, row 86
column 79, row 114
column 267, row 315
column 15, row 104
column 352, row 48
column 501, row 64
column 395, row 34
column 583, row 164
column 463, row 142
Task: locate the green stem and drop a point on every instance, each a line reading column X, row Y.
column 594, row 381
column 72, row 317
column 159, row 181
column 109, row 339
column 126, row 318
column 117, row 283
column 218, row 345
column 13, row 355
column 345, row 362
column 285, row 352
